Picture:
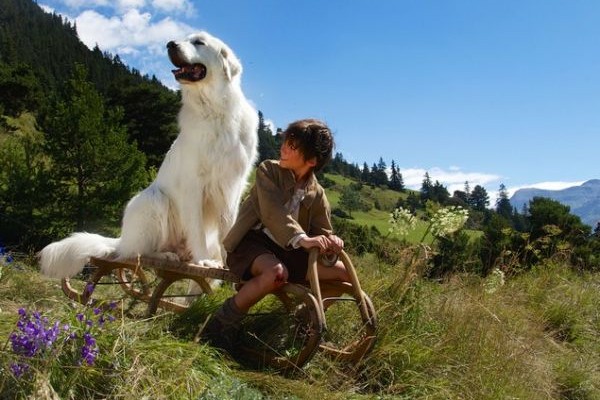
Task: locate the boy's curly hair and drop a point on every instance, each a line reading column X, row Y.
column 312, row 138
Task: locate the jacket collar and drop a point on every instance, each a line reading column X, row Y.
column 311, row 186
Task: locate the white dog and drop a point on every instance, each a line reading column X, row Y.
column 193, row 202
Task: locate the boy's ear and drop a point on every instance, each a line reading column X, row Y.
column 312, row 162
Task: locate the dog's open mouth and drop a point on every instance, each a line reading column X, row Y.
column 190, row 72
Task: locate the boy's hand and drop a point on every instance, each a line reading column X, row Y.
column 324, row 243
column 336, row 244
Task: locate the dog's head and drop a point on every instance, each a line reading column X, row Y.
column 202, row 56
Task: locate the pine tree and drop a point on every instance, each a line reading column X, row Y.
column 267, row 146
column 426, row 187
column 479, row 198
column 94, row 168
column 154, row 135
column 381, row 177
column 396, row 181
column 503, row 206
column 439, row 193
column 365, row 174
column 25, row 191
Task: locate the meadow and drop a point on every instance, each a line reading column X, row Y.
column 531, row 336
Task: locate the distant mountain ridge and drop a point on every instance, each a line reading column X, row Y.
column 584, row 200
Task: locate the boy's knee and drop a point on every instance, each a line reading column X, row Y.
column 275, row 277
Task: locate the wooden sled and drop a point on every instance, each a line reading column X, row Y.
column 282, row 331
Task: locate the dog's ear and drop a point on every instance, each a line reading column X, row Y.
column 231, row 65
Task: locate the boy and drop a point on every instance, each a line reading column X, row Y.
column 285, row 214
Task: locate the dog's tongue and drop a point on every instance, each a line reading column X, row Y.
column 192, row 73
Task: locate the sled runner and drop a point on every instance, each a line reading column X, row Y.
column 284, row 330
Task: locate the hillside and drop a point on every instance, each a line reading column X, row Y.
column 38, row 56
column 584, row 200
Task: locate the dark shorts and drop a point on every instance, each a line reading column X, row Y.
column 256, row 243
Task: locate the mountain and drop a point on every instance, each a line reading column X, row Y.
column 584, row 200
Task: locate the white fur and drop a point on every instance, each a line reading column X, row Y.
column 193, row 201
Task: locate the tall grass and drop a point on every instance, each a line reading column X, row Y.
column 537, row 336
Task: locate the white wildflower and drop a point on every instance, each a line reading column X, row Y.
column 448, row 220
column 494, row 281
column 402, row 221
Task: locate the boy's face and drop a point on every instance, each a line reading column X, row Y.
column 290, row 157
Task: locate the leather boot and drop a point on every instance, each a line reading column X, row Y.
column 222, row 329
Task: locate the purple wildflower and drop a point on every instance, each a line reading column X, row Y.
column 34, row 335
column 89, row 289
column 89, row 350
column 19, row 369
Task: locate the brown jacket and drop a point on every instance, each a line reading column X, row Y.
column 274, row 186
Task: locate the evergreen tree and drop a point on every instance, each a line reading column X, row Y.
column 153, row 135
column 396, row 181
column 479, row 198
column 503, row 207
column 439, row 193
column 365, row 174
column 267, row 145
column 25, row 191
column 20, row 89
column 380, row 174
column 354, row 171
column 426, row 187
column 544, row 211
column 460, row 198
column 95, row 169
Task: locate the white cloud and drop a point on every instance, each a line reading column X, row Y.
column 184, row 6
column 271, row 126
column 77, row 4
column 453, row 178
column 125, row 34
column 558, row 185
column 47, row 8
column 130, row 4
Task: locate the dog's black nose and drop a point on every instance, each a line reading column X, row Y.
column 171, row 45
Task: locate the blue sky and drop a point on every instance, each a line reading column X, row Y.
column 484, row 91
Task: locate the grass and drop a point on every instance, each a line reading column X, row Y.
column 535, row 337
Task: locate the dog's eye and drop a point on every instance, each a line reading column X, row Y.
column 198, row 42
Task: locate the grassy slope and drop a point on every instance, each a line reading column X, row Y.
column 536, row 337
column 374, row 217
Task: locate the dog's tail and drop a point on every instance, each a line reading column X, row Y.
column 67, row 257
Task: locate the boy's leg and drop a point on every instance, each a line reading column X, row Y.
column 223, row 328
column 336, row 272
column 268, row 275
